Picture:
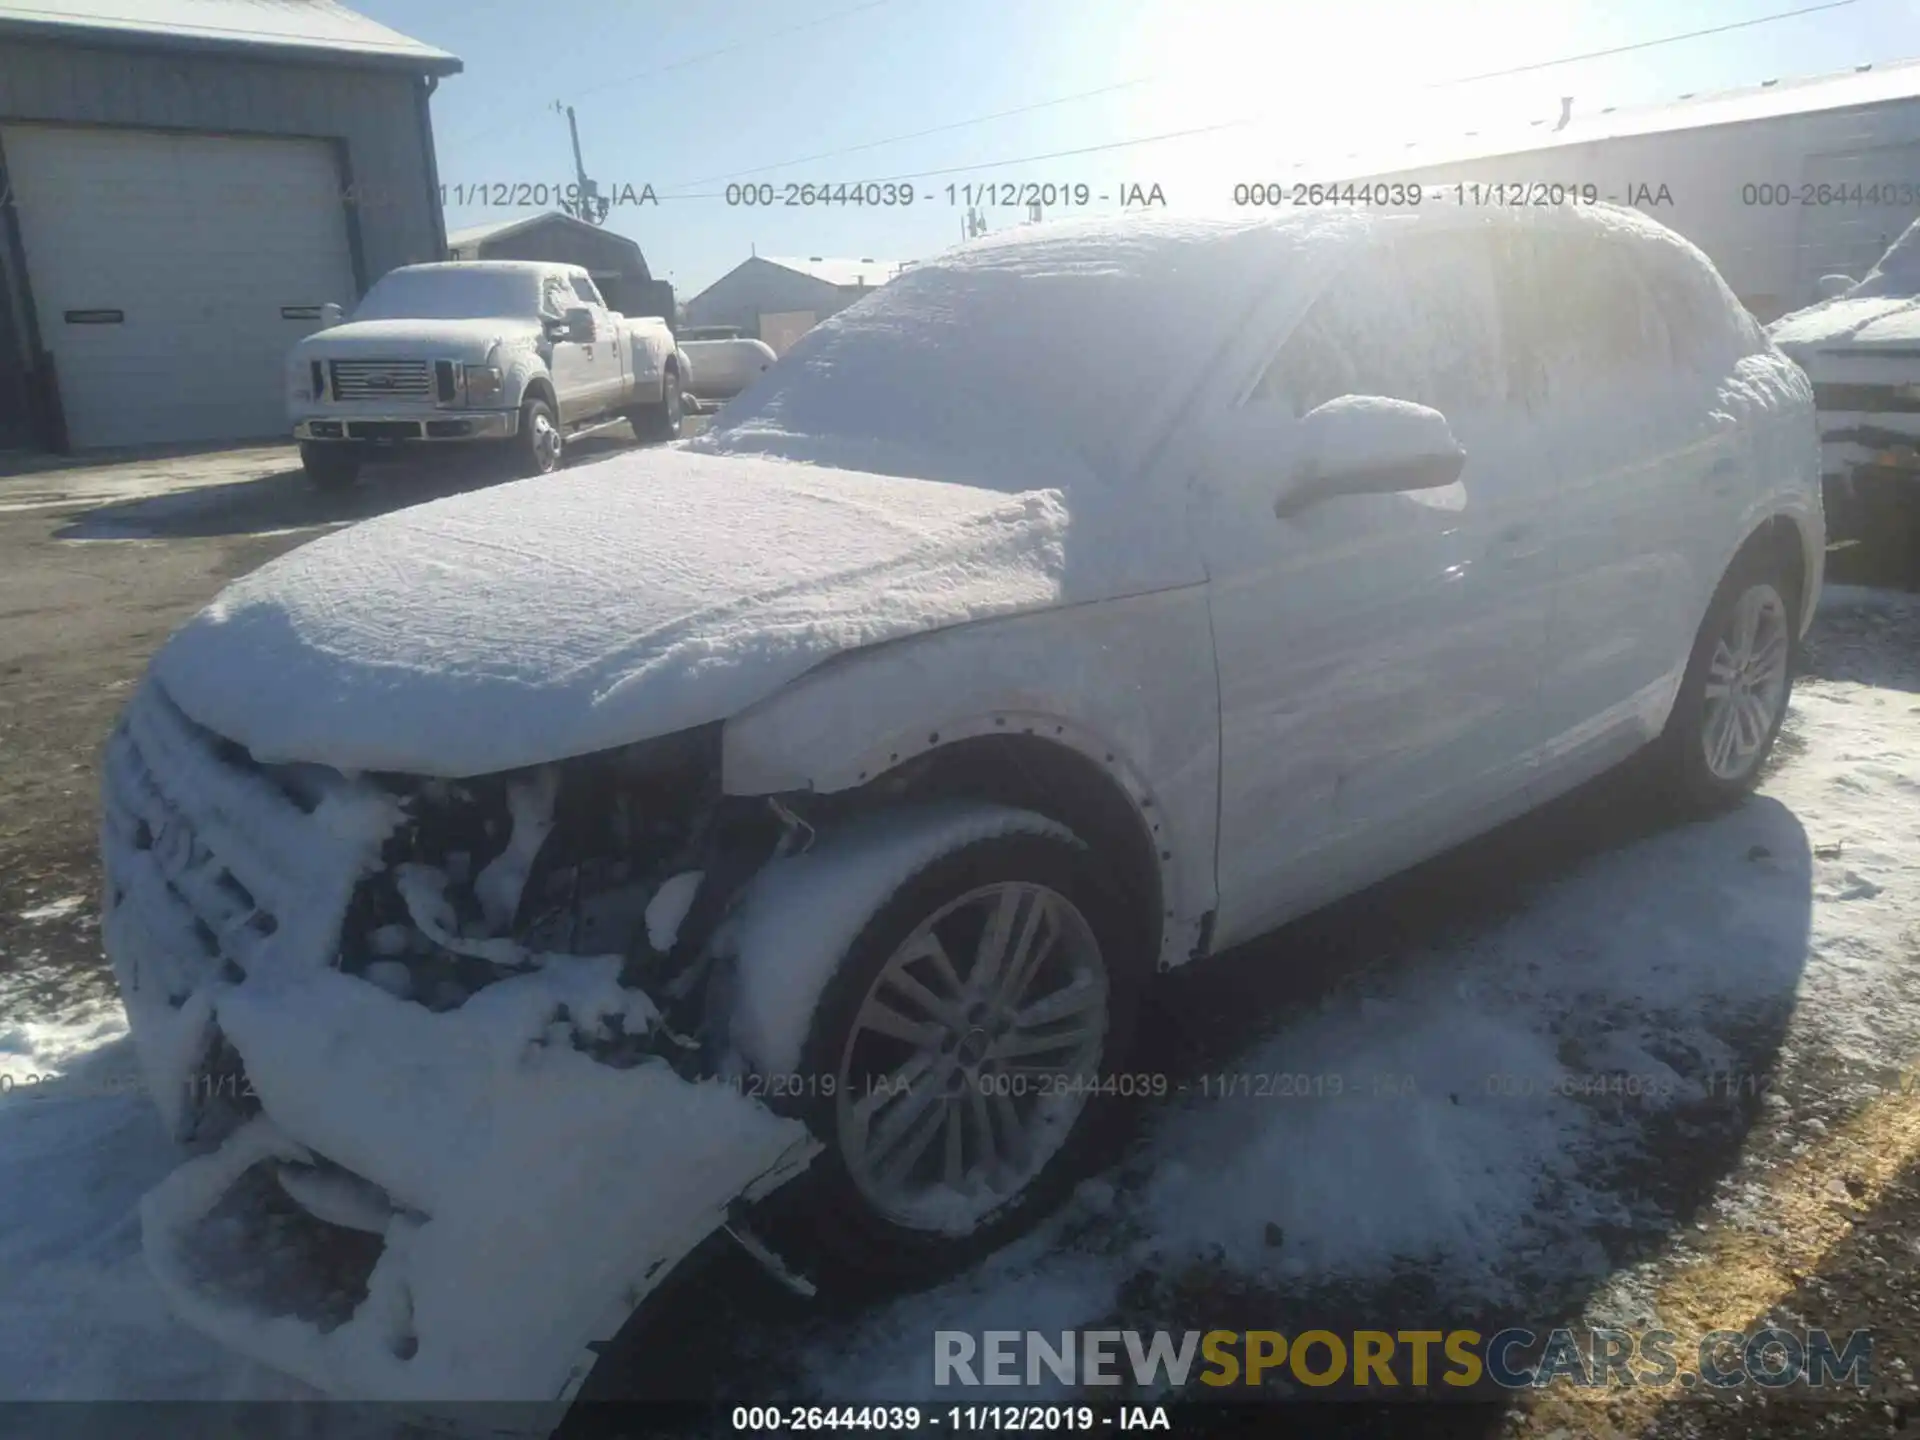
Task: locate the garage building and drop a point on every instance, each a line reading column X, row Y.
column 1780, row 183
column 778, row 301
column 181, row 192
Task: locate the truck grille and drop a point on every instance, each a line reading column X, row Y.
column 382, row 380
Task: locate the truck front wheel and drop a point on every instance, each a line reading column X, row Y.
column 329, row 466
column 539, row 447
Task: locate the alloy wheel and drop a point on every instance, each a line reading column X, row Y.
column 1746, row 683
column 975, row 1050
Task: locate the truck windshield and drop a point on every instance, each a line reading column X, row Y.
column 451, row 295
column 1898, row 272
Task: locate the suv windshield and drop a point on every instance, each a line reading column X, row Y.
column 434, row 294
column 1019, row 362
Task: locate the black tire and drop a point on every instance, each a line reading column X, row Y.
column 540, row 447
column 330, row 466
column 662, row 421
column 823, row 1218
column 1688, row 784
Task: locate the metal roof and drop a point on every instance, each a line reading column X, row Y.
column 845, row 273
column 480, row 234
column 1863, row 85
column 309, row 29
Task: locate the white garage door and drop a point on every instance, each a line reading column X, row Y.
column 163, row 267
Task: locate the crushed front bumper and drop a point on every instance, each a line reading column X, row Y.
column 533, row 1195
column 404, row 1204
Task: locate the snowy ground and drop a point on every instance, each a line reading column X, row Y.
column 1756, row 976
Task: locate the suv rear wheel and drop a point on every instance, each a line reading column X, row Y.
column 1734, row 695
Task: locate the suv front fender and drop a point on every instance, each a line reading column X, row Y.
column 1128, row 685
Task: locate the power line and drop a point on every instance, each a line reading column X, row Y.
column 931, row 130
column 1529, row 68
column 1642, row 45
column 738, row 45
column 703, row 56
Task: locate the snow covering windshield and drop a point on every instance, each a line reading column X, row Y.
column 1898, row 272
column 1022, row 361
column 451, row 294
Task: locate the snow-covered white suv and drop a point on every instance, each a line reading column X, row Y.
column 779, row 829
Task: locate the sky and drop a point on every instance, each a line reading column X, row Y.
column 693, row 98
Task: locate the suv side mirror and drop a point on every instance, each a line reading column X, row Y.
column 1370, row 445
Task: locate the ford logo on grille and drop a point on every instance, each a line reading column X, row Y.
column 379, row 382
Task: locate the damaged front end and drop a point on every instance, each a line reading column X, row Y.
column 454, row 1052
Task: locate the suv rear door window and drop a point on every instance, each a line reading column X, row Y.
column 1581, row 316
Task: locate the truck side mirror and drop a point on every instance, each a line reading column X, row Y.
column 330, row 314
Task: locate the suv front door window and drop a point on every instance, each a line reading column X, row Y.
column 1378, row 666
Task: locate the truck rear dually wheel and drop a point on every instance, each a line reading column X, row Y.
column 662, row 421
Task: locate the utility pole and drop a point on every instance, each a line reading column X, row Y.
column 588, row 203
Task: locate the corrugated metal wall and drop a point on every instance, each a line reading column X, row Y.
column 1724, row 185
column 374, row 116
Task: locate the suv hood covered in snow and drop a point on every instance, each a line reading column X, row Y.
column 646, row 594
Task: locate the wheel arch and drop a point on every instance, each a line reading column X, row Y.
column 1782, row 538
column 1012, row 760
column 540, row 387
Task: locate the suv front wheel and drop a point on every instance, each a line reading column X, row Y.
column 961, row 1049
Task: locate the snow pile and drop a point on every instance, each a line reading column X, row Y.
column 653, row 592
column 1461, row 1144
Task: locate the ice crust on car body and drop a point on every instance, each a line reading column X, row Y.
column 800, row 914
column 538, row 1192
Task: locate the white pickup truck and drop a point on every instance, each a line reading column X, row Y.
column 521, row 353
